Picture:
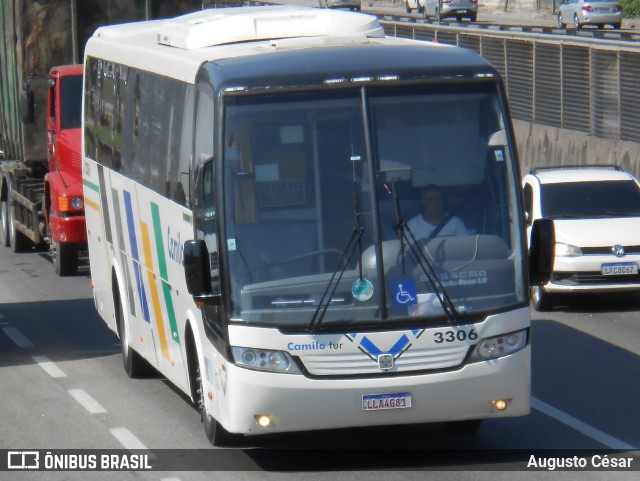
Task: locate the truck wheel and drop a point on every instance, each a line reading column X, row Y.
column 65, row 258
column 4, row 223
column 19, row 242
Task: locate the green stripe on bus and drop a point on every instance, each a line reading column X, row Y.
column 91, row 185
column 162, row 264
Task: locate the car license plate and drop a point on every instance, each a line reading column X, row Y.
column 376, row 402
column 622, row 269
column 461, row 11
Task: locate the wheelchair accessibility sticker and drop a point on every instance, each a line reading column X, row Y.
column 404, row 293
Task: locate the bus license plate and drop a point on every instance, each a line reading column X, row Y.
column 376, row 402
column 623, row 269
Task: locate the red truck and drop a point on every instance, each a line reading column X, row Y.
column 41, row 202
column 63, row 198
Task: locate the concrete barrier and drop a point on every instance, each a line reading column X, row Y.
column 544, row 146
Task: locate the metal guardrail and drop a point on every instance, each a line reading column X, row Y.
column 584, row 84
column 587, row 33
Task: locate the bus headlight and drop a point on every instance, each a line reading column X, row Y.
column 265, row 360
column 499, row 346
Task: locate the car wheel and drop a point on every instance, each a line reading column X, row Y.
column 458, row 18
column 541, row 300
column 576, row 22
column 407, row 7
column 473, row 17
column 617, row 26
column 561, row 22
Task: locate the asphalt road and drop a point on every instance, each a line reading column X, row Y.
column 63, row 387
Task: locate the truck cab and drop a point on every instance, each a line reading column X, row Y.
column 64, row 204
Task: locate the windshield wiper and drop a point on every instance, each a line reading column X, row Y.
column 423, row 261
column 345, row 258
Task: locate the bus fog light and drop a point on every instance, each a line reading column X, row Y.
column 499, row 346
column 500, row 404
column 263, row 420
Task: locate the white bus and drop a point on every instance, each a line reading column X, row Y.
column 250, row 175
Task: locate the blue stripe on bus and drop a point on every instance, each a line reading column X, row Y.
column 136, row 258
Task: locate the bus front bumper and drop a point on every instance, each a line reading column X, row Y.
column 296, row 403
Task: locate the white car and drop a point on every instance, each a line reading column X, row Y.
column 596, row 212
column 439, row 9
column 590, row 12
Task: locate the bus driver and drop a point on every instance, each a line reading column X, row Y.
column 433, row 218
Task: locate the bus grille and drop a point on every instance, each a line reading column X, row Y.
column 341, row 364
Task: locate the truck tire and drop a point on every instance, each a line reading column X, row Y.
column 4, row 223
column 19, row 242
column 65, row 258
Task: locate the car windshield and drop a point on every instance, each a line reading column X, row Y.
column 591, row 199
column 318, row 187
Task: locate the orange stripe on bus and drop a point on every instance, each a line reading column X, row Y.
column 155, row 299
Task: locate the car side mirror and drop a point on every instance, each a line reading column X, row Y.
column 541, row 251
column 197, row 270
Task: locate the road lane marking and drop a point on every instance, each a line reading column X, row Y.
column 48, row 366
column 127, row 439
column 86, row 401
column 580, row 426
column 17, row 337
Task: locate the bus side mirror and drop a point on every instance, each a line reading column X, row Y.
column 197, row 271
column 541, row 251
column 27, row 106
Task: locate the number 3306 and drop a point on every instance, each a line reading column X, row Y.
column 452, row 336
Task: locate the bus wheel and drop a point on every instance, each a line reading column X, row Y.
column 216, row 434
column 134, row 365
column 463, row 427
column 65, row 258
column 4, row 223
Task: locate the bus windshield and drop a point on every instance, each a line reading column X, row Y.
column 355, row 207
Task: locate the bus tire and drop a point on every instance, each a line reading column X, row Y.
column 65, row 258
column 470, row 426
column 216, row 434
column 134, row 365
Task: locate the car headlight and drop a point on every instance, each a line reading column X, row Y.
column 499, row 346
column 567, row 250
column 265, row 360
